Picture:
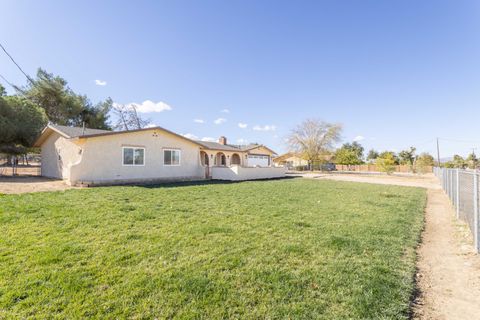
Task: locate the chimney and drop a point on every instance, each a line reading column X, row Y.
column 222, row 140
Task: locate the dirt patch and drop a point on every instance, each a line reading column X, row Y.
column 428, row 181
column 30, row 184
column 448, row 277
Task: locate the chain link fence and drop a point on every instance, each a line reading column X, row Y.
column 25, row 165
column 462, row 188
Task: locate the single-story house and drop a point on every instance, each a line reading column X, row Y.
column 83, row 156
column 290, row 160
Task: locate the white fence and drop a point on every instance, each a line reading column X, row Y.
column 462, row 188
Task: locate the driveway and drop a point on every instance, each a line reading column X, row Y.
column 30, row 184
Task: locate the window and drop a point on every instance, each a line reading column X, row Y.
column 133, row 156
column 171, row 157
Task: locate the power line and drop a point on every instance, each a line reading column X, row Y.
column 459, row 140
column 18, row 66
column 8, row 82
column 17, row 88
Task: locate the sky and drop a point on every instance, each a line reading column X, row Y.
column 395, row 74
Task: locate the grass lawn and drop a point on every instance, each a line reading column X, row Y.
column 271, row 249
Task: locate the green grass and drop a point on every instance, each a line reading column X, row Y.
column 299, row 249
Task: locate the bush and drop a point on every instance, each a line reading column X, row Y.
column 386, row 163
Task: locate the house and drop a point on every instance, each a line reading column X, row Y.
column 290, row 160
column 83, row 156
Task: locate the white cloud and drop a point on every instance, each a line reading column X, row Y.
column 151, row 125
column 149, row 106
column 265, row 128
column 220, row 121
column 190, row 136
column 101, row 82
column 198, row 120
column 225, row 111
column 242, row 141
column 359, row 138
column 242, row 125
column 209, row 139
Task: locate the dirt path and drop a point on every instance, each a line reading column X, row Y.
column 448, row 277
column 448, row 269
column 30, row 184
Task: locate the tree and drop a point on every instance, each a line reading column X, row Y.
column 356, row 147
column 459, row 162
column 20, row 124
column 424, row 162
column 472, row 161
column 63, row 106
column 386, row 162
column 349, row 154
column 372, row 155
column 312, row 138
column 407, row 157
column 128, row 117
column 388, row 154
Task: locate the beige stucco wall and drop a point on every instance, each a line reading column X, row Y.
column 260, row 150
column 236, row 173
column 102, row 158
column 296, row 161
column 58, row 154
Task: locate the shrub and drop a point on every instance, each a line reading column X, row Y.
column 386, row 163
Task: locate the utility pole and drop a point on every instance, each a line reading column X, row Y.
column 438, row 153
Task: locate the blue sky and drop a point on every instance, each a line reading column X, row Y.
column 394, row 73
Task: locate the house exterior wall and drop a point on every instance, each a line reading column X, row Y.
column 102, row 159
column 237, row 173
column 259, row 151
column 296, row 161
column 58, row 154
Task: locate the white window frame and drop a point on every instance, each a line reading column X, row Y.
column 179, row 157
column 133, row 165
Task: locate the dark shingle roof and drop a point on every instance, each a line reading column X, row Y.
column 226, row 147
column 73, row 132
column 218, row 146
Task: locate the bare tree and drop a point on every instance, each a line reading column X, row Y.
column 137, row 121
column 313, row 137
column 128, row 117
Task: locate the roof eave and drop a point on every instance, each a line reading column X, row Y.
column 95, row 135
column 45, row 134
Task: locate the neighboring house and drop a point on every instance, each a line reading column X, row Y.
column 290, row 160
column 91, row 157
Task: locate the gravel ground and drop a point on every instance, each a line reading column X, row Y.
column 30, row 184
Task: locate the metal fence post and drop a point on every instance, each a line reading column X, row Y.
column 475, row 211
column 457, row 189
column 450, row 184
